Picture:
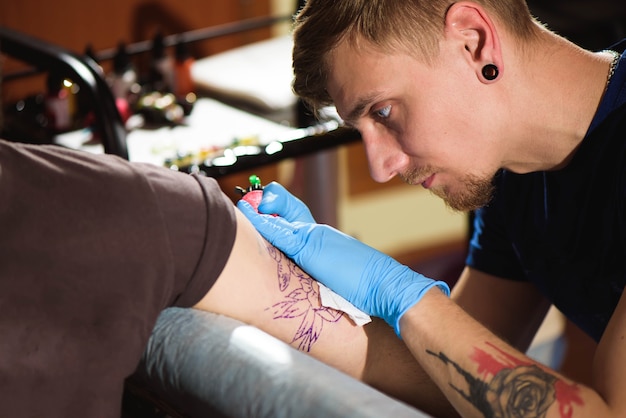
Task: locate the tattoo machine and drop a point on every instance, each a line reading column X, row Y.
column 254, row 193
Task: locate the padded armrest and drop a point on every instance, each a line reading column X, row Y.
column 202, row 363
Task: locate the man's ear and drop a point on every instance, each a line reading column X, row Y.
column 469, row 25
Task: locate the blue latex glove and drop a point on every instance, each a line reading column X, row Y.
column 372, row 281
column 276, row 199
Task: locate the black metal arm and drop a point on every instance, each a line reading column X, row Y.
column 82, row 70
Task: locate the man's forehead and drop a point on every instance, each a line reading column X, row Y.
column 347, row 65
column 359, row 77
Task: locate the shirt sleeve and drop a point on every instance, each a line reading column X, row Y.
column 201, row 227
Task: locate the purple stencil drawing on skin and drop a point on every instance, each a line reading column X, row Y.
column 302, row 302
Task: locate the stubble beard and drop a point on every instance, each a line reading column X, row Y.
column 474, row 193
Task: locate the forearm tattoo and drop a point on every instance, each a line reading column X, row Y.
column 507, row 386
column 302, row 302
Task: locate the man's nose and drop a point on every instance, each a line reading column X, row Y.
column 385, row 159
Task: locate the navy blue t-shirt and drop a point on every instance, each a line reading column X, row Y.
column 565, row 230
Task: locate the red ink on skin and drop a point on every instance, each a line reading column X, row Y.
column 490, row 365
column 567, row 395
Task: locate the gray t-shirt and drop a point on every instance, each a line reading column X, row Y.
column 92, row 248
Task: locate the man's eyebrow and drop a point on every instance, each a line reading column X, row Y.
column 359, row 108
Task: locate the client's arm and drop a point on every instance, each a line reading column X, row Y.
column 262, row 287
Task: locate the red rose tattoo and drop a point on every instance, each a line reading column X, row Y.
column 524, row 391
column 511, row 387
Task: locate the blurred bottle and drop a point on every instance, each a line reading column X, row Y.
column 184, row 85
column 161, row 67
column 60, row 102
column 123, row 77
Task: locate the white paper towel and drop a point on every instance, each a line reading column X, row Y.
column 330, row 299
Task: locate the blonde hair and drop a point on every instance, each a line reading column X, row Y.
column 411, row 25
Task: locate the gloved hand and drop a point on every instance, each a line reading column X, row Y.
column 276, row 199
column 370, row 280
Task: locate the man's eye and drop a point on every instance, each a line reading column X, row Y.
column 384, row 112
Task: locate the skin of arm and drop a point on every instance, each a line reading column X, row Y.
column 468, row 362
column 512, row 310
column 483, row 376
column 262, row 287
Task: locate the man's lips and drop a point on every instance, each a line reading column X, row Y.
column 428, row 182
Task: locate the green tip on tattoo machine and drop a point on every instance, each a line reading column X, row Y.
column 253, row 193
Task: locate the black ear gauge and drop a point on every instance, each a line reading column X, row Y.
column 490, row 72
